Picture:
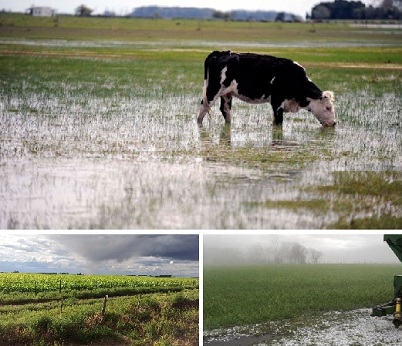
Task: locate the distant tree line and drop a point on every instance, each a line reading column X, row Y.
column 209, row 13
column 342, row 9
column 338, row 9
column 276, row 253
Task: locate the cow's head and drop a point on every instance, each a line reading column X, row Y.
column 323, row 108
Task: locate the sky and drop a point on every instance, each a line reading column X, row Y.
column 175, row 255
column 122, row 7
column 340, row 248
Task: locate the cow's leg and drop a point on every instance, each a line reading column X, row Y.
column 226, row 106
column 278, row 111
column 211, row 93
column 278, row 116
column 205, row 107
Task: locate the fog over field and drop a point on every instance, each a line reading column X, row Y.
column 340, row 248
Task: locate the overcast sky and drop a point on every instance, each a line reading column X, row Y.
column 176, row 255
column 336, row 248
column 122, row 7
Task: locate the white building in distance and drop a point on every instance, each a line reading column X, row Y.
column 40, row 11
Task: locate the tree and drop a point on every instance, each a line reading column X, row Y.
column 321, row 12
column 83, row 11
column 298, row 254
column 315, row 255
column 221, row 15
column 391, row 9
column 342, row 9
column 280, row 17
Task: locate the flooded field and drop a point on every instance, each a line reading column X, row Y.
column 106, row 143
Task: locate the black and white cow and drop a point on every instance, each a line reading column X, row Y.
column 256, row 78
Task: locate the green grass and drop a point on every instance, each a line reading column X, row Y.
column 140, row 29
column 246, row 295
column 46, row 309
column 158, row 319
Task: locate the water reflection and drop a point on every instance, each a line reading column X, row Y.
column 121, row 170
column 232, row 137
column 224, row 139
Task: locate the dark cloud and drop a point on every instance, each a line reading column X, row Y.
column 122, row 247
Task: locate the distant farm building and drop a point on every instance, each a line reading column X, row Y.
column 40, row 11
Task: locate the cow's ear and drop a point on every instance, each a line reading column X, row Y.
column 328, row 95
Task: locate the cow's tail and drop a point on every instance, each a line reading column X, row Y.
column 208, row 61
column 207, row 64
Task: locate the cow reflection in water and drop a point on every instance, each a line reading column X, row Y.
column 225, row 141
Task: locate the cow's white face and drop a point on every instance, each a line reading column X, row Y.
column 323, row 109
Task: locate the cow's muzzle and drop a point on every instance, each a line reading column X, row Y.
column 331, row 124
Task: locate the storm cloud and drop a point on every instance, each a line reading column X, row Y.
column 123, row 247
column 176, row 255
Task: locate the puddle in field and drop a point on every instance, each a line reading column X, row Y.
column 140, row 163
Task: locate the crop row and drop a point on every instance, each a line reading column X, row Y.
column 35, row 283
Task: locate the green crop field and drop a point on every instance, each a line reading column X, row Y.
column 44, row 309
column 236, row 296
column 98, row 127
column 43, row 284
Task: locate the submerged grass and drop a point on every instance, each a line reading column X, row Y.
column 377, row 199
column 363, row 200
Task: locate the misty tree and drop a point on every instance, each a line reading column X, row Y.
column 276, row 252
column 315, row 255
column 283, row 253
column 298, row 254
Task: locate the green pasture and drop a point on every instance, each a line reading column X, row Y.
column 98, row 127
column 236, row 296
column 45, row 309
column 157, row 319
column 131, row 29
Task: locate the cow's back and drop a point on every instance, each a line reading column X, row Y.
column 246, row 66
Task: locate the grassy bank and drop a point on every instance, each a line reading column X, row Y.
column 236, row 296
column 157, row 319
